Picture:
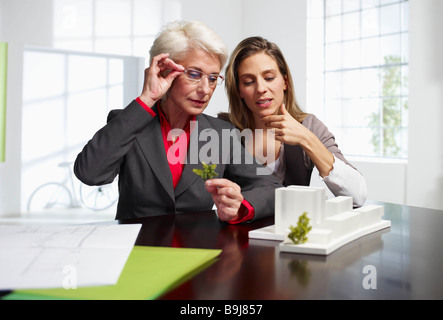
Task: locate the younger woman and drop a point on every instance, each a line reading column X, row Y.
column 288, row 140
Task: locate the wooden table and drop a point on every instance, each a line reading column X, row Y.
column 402, row 262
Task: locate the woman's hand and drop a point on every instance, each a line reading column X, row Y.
column 157, row 79
column 226, row 196
column 286, row 128
column 290, row 131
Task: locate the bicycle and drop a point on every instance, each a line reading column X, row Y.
column 55, row 195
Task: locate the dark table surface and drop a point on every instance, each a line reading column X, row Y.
column 404, row 261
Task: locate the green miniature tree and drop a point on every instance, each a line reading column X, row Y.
column 298, row 234
column 208, row 171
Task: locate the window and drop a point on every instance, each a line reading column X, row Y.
column 66, row 98
column 358, row 73
column 92, row 67
column 124, row 27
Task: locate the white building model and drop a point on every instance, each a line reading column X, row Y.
column 334, row 222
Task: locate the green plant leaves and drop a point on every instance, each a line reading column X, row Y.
column 298, row 234
column 208, row 171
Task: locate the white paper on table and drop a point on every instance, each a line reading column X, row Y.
column 34, row 257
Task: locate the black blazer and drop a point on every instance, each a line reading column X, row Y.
column 131, row 146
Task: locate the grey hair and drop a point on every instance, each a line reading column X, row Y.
column 178, row 37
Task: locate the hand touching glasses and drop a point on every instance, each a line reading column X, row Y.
column 196, row 76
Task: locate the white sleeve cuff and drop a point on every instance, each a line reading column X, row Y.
column 343, row 180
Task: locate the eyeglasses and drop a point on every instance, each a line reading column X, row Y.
column 196, row 76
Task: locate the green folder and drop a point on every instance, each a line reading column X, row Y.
column 148, row 273
column 3, row 75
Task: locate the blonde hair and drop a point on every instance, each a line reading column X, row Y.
column 239, row 113
column 179, row 37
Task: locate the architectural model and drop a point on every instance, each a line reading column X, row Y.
column 334, row 221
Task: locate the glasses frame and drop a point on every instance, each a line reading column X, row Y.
column 219, row 81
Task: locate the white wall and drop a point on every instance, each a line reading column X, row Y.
column 21, row 22
column 284, row 23
column 425, row 167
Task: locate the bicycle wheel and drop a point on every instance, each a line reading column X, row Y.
column 51, row 195
column 99, row 197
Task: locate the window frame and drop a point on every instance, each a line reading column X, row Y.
column 335, row 118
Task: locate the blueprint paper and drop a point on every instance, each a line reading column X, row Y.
column 149, row 273
column 63, row 256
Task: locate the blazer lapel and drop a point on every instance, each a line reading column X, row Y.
column 192, row 159
column 151, row 144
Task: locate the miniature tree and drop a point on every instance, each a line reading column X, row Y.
column 298, row 234
column 208, row 171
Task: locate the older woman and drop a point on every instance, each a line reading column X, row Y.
column 149, row 144
column 290, row 141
